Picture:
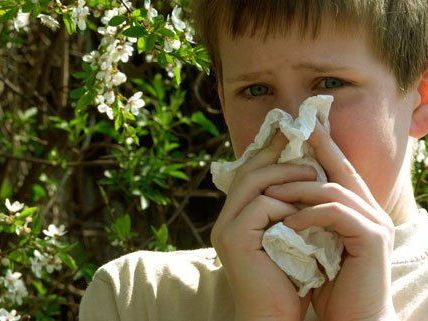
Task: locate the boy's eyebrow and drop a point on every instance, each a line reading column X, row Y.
column 321, row 68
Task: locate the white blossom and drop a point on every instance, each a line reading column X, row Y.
column 54, row 231
column 170, row 68
column 135, row 103
column 107, row 31
column 108, row 14
column 22, row 20
column 422, row 154
column 149, row 58
column 118, row 78
column 175, row 17
column 40, row 262
column 37, row 263
column 80, row 13
column 171, row 45
column 48, row 21
column 151, row 12
column 168, row 25
column 15, row 287
column 14, row 207
column 121, row 52
column 109, row 97
column 92, row 58
column 103, row 107
column 8, row 316
column 190, row 31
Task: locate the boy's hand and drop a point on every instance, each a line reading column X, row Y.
column 261, row 290
column 362, row 289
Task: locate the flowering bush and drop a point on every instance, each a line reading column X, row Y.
column 37, row 254
column 99, row 133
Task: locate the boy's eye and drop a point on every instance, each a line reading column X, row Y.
column 259, row 90
column 254, row 91
column 332, row 83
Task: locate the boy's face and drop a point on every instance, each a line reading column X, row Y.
column 369, row 120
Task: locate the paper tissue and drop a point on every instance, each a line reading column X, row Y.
column 296, row 253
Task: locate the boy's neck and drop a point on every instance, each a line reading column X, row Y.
column 402, row 206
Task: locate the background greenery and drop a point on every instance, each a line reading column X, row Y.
column 106, row 138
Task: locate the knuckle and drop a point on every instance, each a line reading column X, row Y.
column 260, row 201
column 226, row 237
column 336, row 206
column 334, row 189
column 245, row 178
column 382, row 236
column 348, row 168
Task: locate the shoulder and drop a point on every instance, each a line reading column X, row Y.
column 153, row 265
column 148, row 280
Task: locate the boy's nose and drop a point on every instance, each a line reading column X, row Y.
column 291, row 104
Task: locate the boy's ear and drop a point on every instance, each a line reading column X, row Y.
column 419, row 126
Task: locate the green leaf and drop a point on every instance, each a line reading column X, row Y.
column 135, row 32
column 5, row 189
column 29, row 211
column 117, row 20
column 177, row 74
column 172, row 170
column 161, row 235
column 205, row 123
column 77, row 93
column 8, row 15
column 105, row 128
column 38, row 192
column 179, row 174
column 69, row 23
column 68, row 260
column 162, row 59
column 122, row 226
column 86, row 99
column 38, row 285
column 167, row 32
column 150, row 42
column 80, row 75
column 158, row 85
column 37, row 225
column 141, row 45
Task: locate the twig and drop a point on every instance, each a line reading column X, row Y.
column 196, row 182
column 124, row 4
column 196, row 88
column 198, row 193
column 69, row 287
column 191, row 226
column 98, row 162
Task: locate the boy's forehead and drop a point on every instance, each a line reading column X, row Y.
column 329, row 51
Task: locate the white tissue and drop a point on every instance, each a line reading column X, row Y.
column 296, row 253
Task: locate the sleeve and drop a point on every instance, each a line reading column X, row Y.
column 98, row 302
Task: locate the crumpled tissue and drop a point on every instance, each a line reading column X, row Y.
column 296, row 253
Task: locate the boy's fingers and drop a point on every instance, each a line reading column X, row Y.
column 267, row 155
column 338, row 168
column 262, row 211
column 254, row 184
column 316, row 193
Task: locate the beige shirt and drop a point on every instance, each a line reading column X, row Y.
column 191, row 285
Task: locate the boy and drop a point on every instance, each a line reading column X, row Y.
column 372, row 57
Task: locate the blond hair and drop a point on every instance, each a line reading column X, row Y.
column 397, row 29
